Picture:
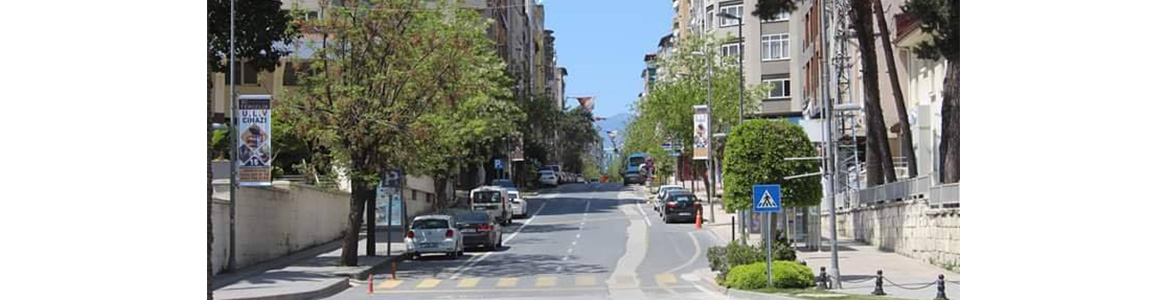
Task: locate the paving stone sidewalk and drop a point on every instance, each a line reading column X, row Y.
column 309, row 274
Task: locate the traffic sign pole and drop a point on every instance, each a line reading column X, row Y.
column 764, row 202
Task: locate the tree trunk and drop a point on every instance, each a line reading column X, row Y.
column 878, row 161
column 906, row 136
column 371, row 214
column 950, row 124
column 210, row 233
column 356, row 203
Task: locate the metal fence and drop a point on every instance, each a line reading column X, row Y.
column 921, row 187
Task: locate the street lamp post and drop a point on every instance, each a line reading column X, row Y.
column 710, row 145
column 231, row 265
column 739, row 22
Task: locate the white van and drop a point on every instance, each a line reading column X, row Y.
column 493, row 200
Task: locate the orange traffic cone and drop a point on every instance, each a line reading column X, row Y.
column 371, row 281
column 698, row 216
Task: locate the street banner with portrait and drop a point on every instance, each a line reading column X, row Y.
column 388, row 199
column 254, row 156
column 701, row 144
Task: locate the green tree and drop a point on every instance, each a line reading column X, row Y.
column 905, row 134
column 755, row 155
column 577, row 137
column 382, row 67
column 259, row 26
column 940, row 20
column 879, row 164
column 667, row 112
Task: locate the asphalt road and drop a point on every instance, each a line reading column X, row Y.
column 582, row 241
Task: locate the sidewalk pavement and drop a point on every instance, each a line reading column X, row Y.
column 309, row 274
column 858, row 261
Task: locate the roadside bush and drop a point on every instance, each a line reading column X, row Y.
column 785, row 274
column 722, row 259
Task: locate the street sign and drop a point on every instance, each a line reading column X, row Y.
column 499, row 164
column 766, row 197
column 667, row 146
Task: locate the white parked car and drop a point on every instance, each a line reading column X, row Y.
column 661, row 195
column 519, row 205
column 548, row 178
column 434, row 234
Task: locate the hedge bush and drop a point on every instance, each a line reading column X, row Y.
column 722, row 259
column 785, row 274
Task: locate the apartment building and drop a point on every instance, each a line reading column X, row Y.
column 766, row 46
column 923, row 84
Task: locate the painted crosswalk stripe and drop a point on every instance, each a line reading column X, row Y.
column 468, row 282
column 506, row 282
column 389, row 284
column 665, row 279
column 586, row 280
column 544, row 281
column 428, row 283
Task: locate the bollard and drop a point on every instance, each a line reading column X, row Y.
column 394, row 270
column 942, row 289
column 371, row 281
column 822, row 279
column 877, row 288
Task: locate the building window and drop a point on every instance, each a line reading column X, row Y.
column 414, row 195
column 710, row 17
column 780, row 88
column 735, row 10
column 780, row 16
column 291, row 73
column 730, row 49
column 774, row 46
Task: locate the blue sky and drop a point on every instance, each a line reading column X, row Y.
column 601, row 43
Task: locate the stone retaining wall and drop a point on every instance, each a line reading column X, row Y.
column 909, row 228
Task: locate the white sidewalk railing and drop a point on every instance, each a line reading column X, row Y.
column 915, row 188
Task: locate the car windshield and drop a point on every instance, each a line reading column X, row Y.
column 513, row 196
column 486, row 197
column 637, row 161
column 472, row 217
column 429, row 224
column 682, row 198
column 549, row 173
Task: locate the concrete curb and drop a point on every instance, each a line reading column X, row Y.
column 339, row 285
column 741, row 294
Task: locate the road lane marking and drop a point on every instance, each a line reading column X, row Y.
column 506, row 282
column 665, row 279
column 468, row 282
column 428, row 283
column 389, row 284
column 547, row 289
column 471, row 263
column 544, row 281
column 585, row 280
column 643, row 212
column 694, row 257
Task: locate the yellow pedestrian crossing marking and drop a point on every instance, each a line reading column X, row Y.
column 428, row 283
column 469, row 282
column 506, row 282
column 546, row 281
column 586, row 280
column 389, row 284
column 665, row 279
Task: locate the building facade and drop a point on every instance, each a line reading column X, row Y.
column 766, row 46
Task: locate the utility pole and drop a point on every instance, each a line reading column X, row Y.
column 745, row 215
column 711, row 144
column 235, row 140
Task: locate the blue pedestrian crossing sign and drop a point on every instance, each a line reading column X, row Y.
column 499, row 164
column 766, row 197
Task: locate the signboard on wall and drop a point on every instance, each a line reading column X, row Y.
column 701, row 126
column 254, row 130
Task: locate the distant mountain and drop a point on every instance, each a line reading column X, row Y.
column 615, row 123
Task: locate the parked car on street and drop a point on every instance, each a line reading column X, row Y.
column 504, row 183
column 492, row 199
column 679, row 204
column 519, row 205
column 657, row 199
column 433, row 234
column 479, row 230
column 548, row 178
